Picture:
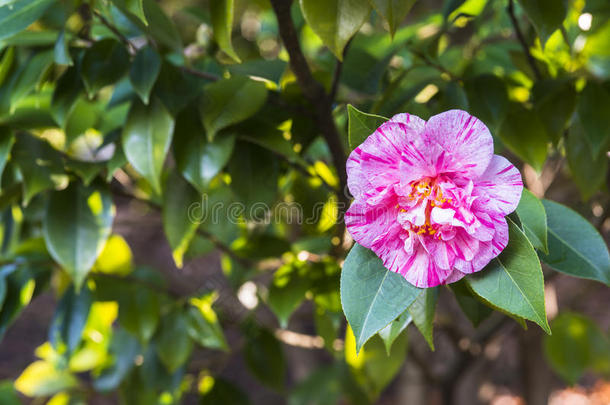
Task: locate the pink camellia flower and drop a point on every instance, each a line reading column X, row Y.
column 431, row 197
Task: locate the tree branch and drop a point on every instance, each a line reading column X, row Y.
column 315, row 95
column 130, row 46
column 530, row 59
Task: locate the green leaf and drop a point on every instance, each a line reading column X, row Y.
column 513, row 281
column 160, row 26
column 7, row 139
column 144, row 71
column 394, row 329
column 229, row 101
column 174, row 345
column 594, row 116
column 533, row 218
column 62, row 50
column 76, row 225
column 254, row 177
column 393, row 11
column 123, row 349
column 203, row 325
column 179, row 226
column 8, row 395
column 371, row 295
column 361, row 125
column 175, row 88
column 487, row 99
column 422, row 311
column 323, row 386
column 30, row 76
column 19, row 15
column 575, row 247
column 265, row 358
column 104, row 63
column 147, row 135
column 6, row 63
column 70, row 318
column 287, row 292
column 222, row 392
column 474, row 310
column 139, row 311
column 525, row 136
column 197, row 159
column 42, row 379
column 335, row 21
column 577, row 345
column 67, row 91
column 555, row 102
column 222, row 23
column 588, row 170
column 546, row 15
column 372, row 368
column 135, row 7
column 20, row 289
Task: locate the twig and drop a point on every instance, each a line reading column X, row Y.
column 530, row 59
column 315, row 95
column 132, row 48
column 198, row 73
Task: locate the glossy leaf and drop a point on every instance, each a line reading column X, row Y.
column 265, row 358
column 394, row 329
column 76, row 225
column 555, row 102
column 422, row 311
column 487, row 99
column 69, row 320
column 513, row 281
column 588, row 170
column 335, row 21
column 393, row 11
column 144, row 71
column 222, row 23
column 62, row 51
column 473, row 308
column 576, row 345
column 179, row 227
column 31, row 76
column 525, row 136
column 546, row 15
column 594, row 117
column 41, row 379
column 103, row 64
column 575, row 247
column 197, row 159
column 160, row 26
column 147, row 136
column 19, row 15
column 361, row 125
column 173, row 342
column 230, row 101
column 7, row 139
column 371, row 295
column 533, row 218
column 67, row 91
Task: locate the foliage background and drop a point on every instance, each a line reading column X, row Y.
column 116, row 117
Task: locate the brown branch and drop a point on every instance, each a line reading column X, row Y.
column 130, row 46
column 315, row 95
column 530, row 59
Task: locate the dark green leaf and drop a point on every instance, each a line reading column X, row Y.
column 144, row 71
column 174, row 345
column 7, row 139
column 594, row 116
column 546, row 15
column 525, row 136
column 203, row 325
column 575, row 247
column 139, row 311
column 287, row 292
column 62, row 50
column 19, row 15
column 179, row 226
column 533, row 218
column 576, row 345
column 513, row 281
column 265, row 358
column 394, row 329
column 103, row 64
column 30, row 76
column 335, row 21
column 488, row 99
column 70, row 318
column 422, row 311
column 230, row 101
column 588, row 170
column 123, row 348
column 147, row 135
column 175, row 88
column 198, row 160
column 135, row 7
column 393, row 11
column 20, row 289
column 8, row 395
column 322, row 386
column 473, row 308
column 160, row 26
column 554, row 101
column 222, row 23
column 76, row 225
column 371, row 295
column 361, row 125
column 67, row 90
column 223, row 392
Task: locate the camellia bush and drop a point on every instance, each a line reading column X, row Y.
column 336, row 183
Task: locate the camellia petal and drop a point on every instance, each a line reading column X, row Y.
column 431, row 197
